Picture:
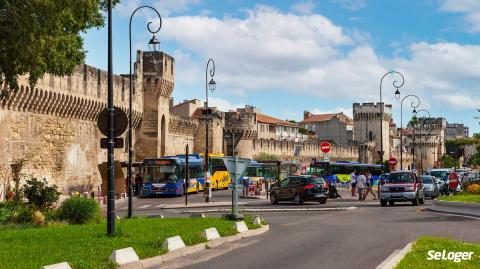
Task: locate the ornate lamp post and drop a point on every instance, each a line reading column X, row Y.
column 397, row 85
column 153, row 45
column 209, row 85
column 421, row 131
column 414, row 105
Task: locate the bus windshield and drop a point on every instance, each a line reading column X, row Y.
column 217, row 164
column 160, row 174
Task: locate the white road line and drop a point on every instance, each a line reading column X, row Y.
column 143, row 206
column 123, row 208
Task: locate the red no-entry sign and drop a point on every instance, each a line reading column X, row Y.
column 325, row 147
column 392, row 161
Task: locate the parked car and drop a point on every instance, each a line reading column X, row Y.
column 442, row 176
column 401, row 186
column 299, row 189
column 431, row 188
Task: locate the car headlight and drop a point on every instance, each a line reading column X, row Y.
column 408, row 188
column 384, row 189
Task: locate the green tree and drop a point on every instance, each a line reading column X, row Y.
column 43, row 36
column 449, row 161
column 263, row 156
column 303, row 131
column 413, row 122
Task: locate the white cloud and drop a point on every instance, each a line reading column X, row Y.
column 223, row 104
column 351, row 4
column 470, row 10
column 306, row 7
column 460, row 102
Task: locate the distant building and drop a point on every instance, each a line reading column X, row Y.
column 456, row 130
column 333, row 127
column 186, row 108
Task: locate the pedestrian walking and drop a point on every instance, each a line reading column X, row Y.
column 361, row 181
column 353, row 183
column 138, row 183
column 369, row 185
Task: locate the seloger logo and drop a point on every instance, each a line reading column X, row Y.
column 449, row 256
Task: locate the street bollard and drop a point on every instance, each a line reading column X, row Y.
column 207, row 191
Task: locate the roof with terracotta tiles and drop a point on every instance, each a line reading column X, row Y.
column 326, row 117
column 271, row 120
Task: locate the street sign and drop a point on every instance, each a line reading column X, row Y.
column 236, row 167
column 241, row 166
column 120, row 122
column 392, row 161
column 326, row 157
column 118, row 143
column 325, row 147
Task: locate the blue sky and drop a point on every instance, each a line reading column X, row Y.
column 289, row 56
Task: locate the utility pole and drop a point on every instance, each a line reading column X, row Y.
column 187, row 170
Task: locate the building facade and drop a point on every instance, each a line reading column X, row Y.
column 456, row 130
column 337, row 128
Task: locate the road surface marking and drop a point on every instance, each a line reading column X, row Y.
column 158, row 206
column 143, row 206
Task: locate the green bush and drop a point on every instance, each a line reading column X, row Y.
column 6, row 210
column 79, row 210
column 40, row 194
column 22, row 214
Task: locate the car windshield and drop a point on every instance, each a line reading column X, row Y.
column 439, row 174
column 427, row 180
column 400, row 178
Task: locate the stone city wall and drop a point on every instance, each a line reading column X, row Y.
column 53, row 127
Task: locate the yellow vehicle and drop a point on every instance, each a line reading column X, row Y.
column 195, row 168
column 219, row 177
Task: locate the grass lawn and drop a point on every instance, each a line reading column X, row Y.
column 461, row 197
column 87, row 246
column 417, row 258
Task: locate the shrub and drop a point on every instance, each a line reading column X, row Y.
column 6, row 210
column 474, row 188
column 79, row 210
column 22, row 214
column 38, row 219
column 40, row 194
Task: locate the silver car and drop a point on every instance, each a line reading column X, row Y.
column 431, row 186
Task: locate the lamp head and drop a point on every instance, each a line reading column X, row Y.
column 154, row 44
column 212, row 85
column 397, row 94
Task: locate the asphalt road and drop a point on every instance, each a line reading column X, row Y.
column 346, row 239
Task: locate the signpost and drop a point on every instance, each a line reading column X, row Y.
column 120, row 122
column 392, row 161
column 236, row 167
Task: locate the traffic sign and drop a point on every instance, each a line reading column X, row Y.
column 120, row 122
column 236, row 166
column 326, row 157
column 325, row 147
column 392, row 161
column 117, row 143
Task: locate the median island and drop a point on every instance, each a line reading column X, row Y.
column 88, row 246
column 461, row 197
column 434, row 252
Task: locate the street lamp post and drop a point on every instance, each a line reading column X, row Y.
column 397, row 96
column 153, row 43
column 412, row 104
column 111, row 130
column 421, row 132
column 209, row 85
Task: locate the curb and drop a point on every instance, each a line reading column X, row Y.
column 458, row 208
column 397, row 255
column 167, row 206
column 157, row 261
column 351, row 208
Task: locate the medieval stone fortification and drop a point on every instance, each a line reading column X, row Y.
column 53, row 127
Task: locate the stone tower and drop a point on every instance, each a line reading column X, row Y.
column 366, row 118
column 243, row 124
column 158, row 84
column 215, row 131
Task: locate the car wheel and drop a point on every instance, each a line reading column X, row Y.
column 323, row 201
column 383, row 203
column 391, row 203
column 297, row 199
column 273, row 198
column 415, row 201
column 433, row 197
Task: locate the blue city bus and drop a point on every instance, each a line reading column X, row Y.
column 161, row 177
column 339, row 172
column 196, row 176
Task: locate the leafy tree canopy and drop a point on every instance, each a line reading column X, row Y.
column 43, row 36
column 263, row 156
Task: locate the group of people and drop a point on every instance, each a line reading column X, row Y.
column 363, row 184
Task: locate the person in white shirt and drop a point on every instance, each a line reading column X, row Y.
column 361, row 182
column 353, row 182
